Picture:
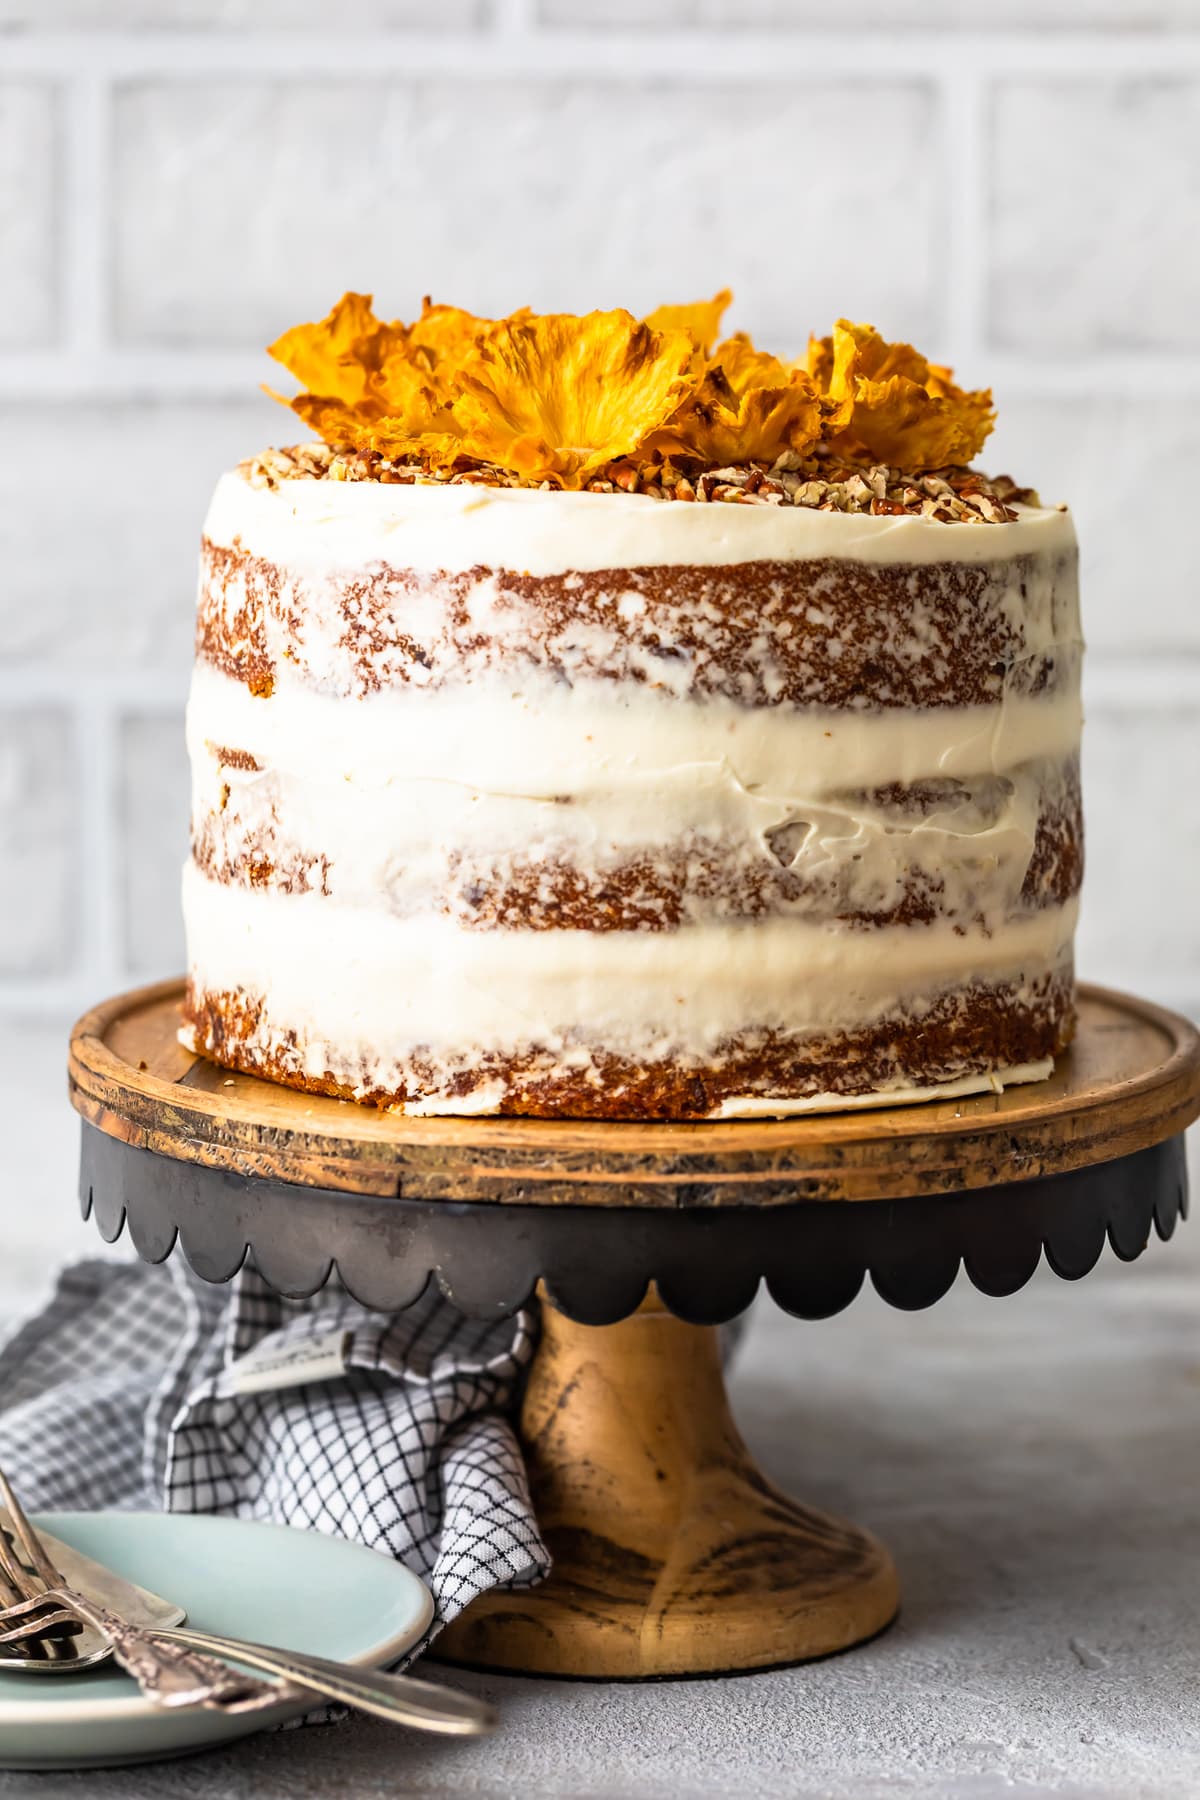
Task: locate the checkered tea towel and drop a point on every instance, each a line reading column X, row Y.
column 145, row 1387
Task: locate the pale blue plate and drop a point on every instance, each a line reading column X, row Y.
column 294, row 1588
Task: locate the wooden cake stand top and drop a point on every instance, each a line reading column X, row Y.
column 1131, row 1079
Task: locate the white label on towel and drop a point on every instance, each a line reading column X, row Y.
column 272, row 1364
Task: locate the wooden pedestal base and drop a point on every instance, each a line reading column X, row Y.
column 673, row 1554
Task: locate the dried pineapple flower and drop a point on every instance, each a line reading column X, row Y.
column 441, row 340
column 610, row 402
column 336, row 356
column 745, row 367
column 702, row 318
column 750, row 407
column 902, row 410
column 376, row 386
column 717, row 426
column 557, row 397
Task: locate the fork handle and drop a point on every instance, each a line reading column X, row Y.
column 400, row 1698
column 169, row 1674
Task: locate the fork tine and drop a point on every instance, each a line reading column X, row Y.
column 18, row 1586
column 27, row 1537
column 28, row 1608
column 14, row 1584
column 35, row 1626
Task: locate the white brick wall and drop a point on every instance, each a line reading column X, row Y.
column 1094, row 191
column 1140, row 768
column 1121, row 459
column 180, row 179
column 39, row 830
column 578, row 230
column 106, row 591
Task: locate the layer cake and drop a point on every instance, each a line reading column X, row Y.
column 515, row 798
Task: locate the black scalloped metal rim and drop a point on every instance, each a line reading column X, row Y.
column 597, row 1262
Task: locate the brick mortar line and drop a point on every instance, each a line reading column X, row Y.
column 40, row 684
column 710, row 57
column 511, row 18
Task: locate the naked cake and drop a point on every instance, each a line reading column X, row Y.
column 601, row 720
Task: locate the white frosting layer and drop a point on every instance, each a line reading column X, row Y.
column 381, row 987
column 545, row 739
column 313, row 526
column 419, row 800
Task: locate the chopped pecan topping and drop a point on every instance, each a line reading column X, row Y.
column 819, row 480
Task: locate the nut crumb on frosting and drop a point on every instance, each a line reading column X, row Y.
column 818, row 480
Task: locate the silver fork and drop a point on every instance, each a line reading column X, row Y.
column 170, row 1674
column 67, row 1643
column 49, row 1603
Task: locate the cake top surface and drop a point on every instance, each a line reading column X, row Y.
column 326, row 525
column 660, row 408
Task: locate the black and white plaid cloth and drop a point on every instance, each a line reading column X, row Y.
column 144, row 1387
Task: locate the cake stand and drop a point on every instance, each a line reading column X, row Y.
column 673, row 1554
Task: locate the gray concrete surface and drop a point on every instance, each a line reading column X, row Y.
column 1034, row 1464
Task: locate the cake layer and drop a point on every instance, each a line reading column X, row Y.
column 623, row 843
column 968, row 852
column 823, row 633
column 424, row 984
column 542, row 739
column 967, row 1039
column 358, row 586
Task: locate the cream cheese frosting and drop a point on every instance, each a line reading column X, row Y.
column 426, row 779
column 319, row 525
column 543, row 740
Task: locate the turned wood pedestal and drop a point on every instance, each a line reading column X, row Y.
column 673, row 1553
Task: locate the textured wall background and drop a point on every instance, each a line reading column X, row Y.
column 181, row 179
